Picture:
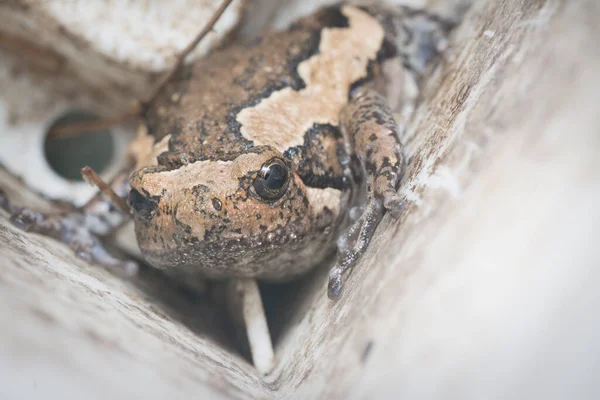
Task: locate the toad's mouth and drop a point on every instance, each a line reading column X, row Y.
column 262, row 257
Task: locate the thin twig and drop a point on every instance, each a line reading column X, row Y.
column 76, row 128
column 190, row 47
column 92, row 177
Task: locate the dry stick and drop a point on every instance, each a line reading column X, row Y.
column 209, row 26
column 92, row 177
column 137, row 110
column 77, row 128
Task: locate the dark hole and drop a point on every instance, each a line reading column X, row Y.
column 68, row 155
column 288, row 302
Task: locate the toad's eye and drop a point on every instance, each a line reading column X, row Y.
column 272, row 180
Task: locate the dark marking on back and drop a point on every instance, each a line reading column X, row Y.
column 318, row 161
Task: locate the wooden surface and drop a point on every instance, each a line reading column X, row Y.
column 111, row 45
column 486, row 287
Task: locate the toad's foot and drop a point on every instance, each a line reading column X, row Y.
column 368, row 122
column 80, row 230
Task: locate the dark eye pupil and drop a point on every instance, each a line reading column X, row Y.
column 272, row 180
column 275, row 177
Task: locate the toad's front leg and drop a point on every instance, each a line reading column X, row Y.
column 368, row 124
column 82, row 228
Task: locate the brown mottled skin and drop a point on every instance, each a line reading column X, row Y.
column 369, row 121
column 245, row 237
column 223, row 227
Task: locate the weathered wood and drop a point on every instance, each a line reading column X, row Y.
column 486, row 287
column 113, row 46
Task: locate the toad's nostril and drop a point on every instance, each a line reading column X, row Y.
column 141, row 205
